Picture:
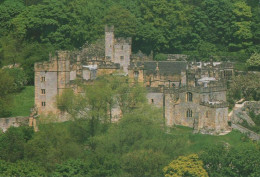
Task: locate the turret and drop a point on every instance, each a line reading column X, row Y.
column 109, row 42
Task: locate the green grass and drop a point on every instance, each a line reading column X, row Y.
column 23, row 102
column 195, row 143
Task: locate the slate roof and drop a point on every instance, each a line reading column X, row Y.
column 165, row 67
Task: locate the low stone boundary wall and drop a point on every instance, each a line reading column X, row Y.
column 6, row 123
column 252, row 135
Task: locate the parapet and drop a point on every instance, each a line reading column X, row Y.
column 121, row 40
column 109, row 28
column 177, row 57
column 109, row 66
column 215, row 104
column 202, row 89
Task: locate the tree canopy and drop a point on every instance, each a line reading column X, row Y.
column 30, row 29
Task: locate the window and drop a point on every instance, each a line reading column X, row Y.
column 43, row 103
column 136, row 74
column 189, row 113
column 152, row 101
column 43, row 91
column 43, row 79
column 189, row 96
column 121, row 57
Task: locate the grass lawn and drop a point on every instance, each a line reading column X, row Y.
column 23, row 102
column 195, row 143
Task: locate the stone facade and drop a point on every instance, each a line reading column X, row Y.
column 190, row 94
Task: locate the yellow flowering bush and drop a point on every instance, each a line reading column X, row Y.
column 185, row 166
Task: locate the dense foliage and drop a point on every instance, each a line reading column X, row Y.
column 6, row 89
column 136, row 146
column 30, row 29
column 139, row 144
column 223, row 160
column 244, row 86
column 12, row 80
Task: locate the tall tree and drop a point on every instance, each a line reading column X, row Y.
column 6, row 90
column 242, row 35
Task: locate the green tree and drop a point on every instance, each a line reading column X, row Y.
column 6, row 90
column 245, row 86
column 9, row 9
column 123, row 20
column 254, row 61
column 13, row 142
column 135, row 146
column 21, row 168
column 242, row 26
column 86, row 21
column 160, row 57
column 100, row 98
column 223, row 160
column 15, row 51
column 44, row 23
column 11, row 50
column 72, row 168
column 130, row 96
column 20, row 78
column 143, row 163
column 51, row 145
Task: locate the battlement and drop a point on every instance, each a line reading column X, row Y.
column 50, row 65
column 60, row 55
column 109, row 28
column 215, row 104
column 121, row 40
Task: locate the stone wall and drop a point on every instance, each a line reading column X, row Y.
column 155, row 99
column 252, row 135
column 6, row 123
column 50, row 87
column 240, row 112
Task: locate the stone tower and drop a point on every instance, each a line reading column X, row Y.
column 51, row 78
column 63, row 71
column 117, row 50
column 109, row 42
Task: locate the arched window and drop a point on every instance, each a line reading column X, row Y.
column 189, row 96
column 189, row 113
column 207, row 114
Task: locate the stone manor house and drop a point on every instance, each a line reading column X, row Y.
column 191, row 94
